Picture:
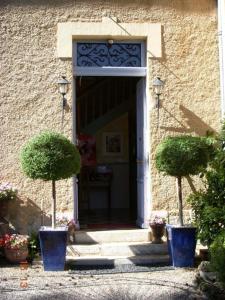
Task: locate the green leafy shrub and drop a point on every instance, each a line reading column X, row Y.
column 33, row 246
column 7, row 192
column 209, row 203
column 181, row 156
column 217, row 253
column 209, row 214
column 50, row 156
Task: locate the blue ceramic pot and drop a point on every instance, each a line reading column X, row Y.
column 53, row 247
column 168, row 235
column 182, row 244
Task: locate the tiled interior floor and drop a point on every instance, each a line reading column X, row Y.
column 114, row 218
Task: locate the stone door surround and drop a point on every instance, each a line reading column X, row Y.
column 109, row 28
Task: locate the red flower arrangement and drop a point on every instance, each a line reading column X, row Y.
column 14, row 241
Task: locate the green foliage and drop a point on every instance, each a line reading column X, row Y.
column 50, row 156
column 33, row 246
column 209, row 214
column 209, row 203
column 217, row 253
column 183, row 155
column 7, row 192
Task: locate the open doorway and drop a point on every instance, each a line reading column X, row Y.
column 106, row 131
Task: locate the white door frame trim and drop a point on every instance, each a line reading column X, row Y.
column 110, row 71
column 144, row 198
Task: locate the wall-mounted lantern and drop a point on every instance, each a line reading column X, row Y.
column 158, row 85
column 63, row 85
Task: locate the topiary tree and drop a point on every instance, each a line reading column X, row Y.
column 50, row 156
column 181, row 156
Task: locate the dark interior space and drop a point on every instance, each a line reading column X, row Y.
column 106, row 132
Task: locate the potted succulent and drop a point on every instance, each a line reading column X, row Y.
column 181, row 156
column 51, row 156
column 157, row 225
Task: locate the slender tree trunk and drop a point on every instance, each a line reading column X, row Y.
column 53, row 204
column 180, row 202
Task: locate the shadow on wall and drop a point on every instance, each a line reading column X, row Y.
column 191, row 123
column 26, row 216
column 200, row 6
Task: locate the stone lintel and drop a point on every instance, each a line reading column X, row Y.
column 109, row 29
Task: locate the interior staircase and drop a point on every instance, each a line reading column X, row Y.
column 103, row 101
column 116, row 247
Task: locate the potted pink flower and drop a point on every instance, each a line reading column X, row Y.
column 157, row 225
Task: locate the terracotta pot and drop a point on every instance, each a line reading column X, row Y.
column 157, row 233
column 16, row 255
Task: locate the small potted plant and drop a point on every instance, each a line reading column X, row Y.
column 157, row 225
column 65, row 219
column 15, row 247
column 182, row 156
column 51, row 156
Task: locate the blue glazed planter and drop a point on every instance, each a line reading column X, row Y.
column 53, row 247
column 182, row 242
column 168, row 234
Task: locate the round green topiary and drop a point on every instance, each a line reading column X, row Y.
column 50, row 156
column 182, row 155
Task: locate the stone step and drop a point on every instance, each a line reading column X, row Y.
column 111, row 236
column 118, row 249
column 117, row 260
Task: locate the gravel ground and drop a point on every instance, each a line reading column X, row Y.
column 124, row 283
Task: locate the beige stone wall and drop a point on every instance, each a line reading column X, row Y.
column 29, row 68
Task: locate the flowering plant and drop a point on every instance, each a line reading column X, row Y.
column 14, row 241
column 64, row 219
column 158, row 221
column 7, row 192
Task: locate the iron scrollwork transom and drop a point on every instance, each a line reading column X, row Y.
column 109, row 55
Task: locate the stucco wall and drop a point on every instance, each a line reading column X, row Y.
column 29, row 68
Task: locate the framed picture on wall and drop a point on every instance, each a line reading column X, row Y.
column 112, row 143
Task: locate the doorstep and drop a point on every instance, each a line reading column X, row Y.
column 118, row 260
column 117, row 249
column 110, row 236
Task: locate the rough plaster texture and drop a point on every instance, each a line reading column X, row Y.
column 30, row 102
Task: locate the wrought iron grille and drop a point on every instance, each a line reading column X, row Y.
column 112, row 55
